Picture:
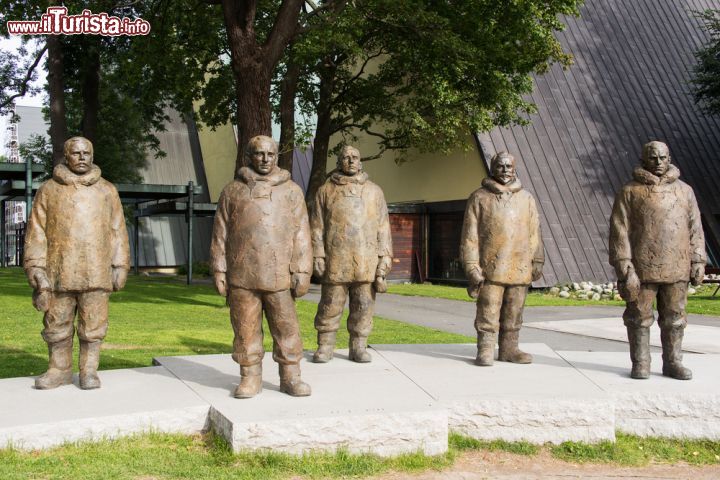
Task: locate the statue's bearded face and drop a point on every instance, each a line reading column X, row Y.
column 79, row 157
column 503, row 170
column 349, row 161
column 263, row 155
column 657, row 159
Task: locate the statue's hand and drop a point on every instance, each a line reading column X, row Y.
column 475, row 281
column 319, row 266
column 37, row 278
column 220, row 283
column 384, row 265
column 41, row 300
column 622, row 268
column 631, row 289
column 119, row 277
column 697, row 273
column 537, row 268
column 300, row 284
column 380, row 285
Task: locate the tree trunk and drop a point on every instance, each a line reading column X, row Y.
column 323, row 131
column 253, row 64
column 56, row 91
column 287, row 116
column 91, row 90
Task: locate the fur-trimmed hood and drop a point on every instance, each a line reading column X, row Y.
column 64, row 176
column 645, row 177
column 498, row 188
column 277, row 176
column 339, row 178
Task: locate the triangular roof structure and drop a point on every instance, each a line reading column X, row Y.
column 630, row 84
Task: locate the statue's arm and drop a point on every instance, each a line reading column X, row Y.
column 36, row 245
column 218, row 262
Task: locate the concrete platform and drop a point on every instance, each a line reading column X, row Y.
column 130, row 401
column 361, row 407
column 546, row 401
column 659, row 406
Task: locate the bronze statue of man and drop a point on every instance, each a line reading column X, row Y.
column 76, row 253
column 353, row 252
column 502, row 252
column 261, row 257
column 656, row 246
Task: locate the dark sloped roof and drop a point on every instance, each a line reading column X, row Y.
column 629, row 85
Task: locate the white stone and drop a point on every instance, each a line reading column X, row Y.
column 546, row 401
column 564, row 294
column 364, row 408
column 596, row 296
column 659, row 406
column 565, row 289
column 691, row 291
column 554, row 291
column 130, row 401
column 617, row 297
column 576, row 286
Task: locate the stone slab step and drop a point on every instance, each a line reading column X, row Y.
column 659, row 406
column 130, row 401
column 370, row 407
column 546, row 401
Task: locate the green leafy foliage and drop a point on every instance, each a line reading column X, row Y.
column 706, row 80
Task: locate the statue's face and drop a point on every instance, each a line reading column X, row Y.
column 263, row 156
column 657, row 160
column 504, row 170
column 349, row 161
column 79, row 157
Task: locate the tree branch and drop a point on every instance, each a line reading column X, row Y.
column 24, row 84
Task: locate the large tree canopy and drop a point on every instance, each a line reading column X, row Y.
column 706, row 81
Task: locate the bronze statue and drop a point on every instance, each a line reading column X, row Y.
column 261, row 258
column 502, row 252
column 353, row 252
column 656, row 246
column 76, row 253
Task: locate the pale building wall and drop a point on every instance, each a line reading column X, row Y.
column 219, row 150
column 428, row 177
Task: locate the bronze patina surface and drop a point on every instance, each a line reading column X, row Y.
column 502, row 252
column 352, row 249
column 76, row 253
column 656, row 246
column 261, row 257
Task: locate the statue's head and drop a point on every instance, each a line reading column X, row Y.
column 502, row 167
column 78, row 155
column 348, row 160
column 656, row 158
column 262, row 153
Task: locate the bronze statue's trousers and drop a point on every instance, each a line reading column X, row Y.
column 246, row 309
column 671, row 302
column 92, row 309
column 500, row 307
column 332, row 303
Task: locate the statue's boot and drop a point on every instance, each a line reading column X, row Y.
column 89, row 361
column 509, row 351
column 358, row 350
column 486, row 349
column 671, row 339
column 250, row 381
column 639, row 339
column 60, row 366
column 291, row 383
column 326, row 347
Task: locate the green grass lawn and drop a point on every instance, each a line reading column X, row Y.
column 164, row 456
column 702, row 303
column 160, row 316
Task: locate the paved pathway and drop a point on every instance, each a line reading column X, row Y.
column 592, row 335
